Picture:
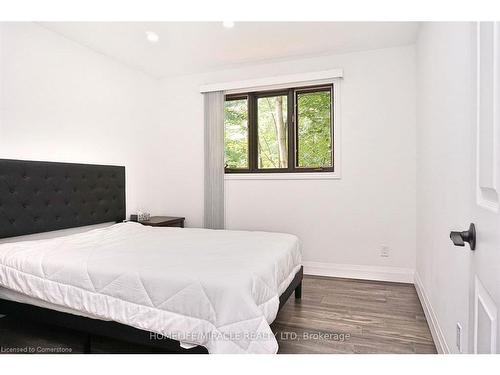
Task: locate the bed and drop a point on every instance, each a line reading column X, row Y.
column 185, row 290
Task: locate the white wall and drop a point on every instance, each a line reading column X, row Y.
column 61, row 101
column 444, row 133
column 339, row 221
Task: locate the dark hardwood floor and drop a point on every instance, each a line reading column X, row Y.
column 353, row 316
column 333, row 316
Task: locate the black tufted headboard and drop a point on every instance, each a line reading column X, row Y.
column 39, row 196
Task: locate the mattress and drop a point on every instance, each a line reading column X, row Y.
column 215, row 288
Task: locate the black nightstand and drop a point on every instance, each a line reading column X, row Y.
column 164, row 221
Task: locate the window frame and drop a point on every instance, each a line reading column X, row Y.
column 292, row 130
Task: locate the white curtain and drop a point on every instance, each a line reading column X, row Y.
column 214, row 160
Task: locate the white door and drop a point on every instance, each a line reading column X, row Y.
column 484, row 296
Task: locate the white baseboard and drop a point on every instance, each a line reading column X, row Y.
column 352, row 271
column 430, row 315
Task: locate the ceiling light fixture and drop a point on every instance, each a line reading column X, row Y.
column 152, row 36
column 228, row 24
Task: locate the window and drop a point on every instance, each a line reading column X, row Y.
column 280, row 131
column 272, row 132
column 236, row 133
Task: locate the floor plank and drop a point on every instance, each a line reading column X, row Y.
column 354, row 316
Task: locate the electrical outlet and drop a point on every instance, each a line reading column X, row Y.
column 384, row 251
column 459, row 338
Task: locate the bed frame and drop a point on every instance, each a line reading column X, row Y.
column 39, row 197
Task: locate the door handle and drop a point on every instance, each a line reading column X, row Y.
column 459, row 238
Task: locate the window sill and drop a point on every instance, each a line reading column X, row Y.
column 283, row 176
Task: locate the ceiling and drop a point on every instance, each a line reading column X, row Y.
column 195, row 47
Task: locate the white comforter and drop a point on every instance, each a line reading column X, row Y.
column 219, row 289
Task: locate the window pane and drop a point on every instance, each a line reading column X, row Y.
column 314, row 129
column 272, row 132
column 236, row 133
